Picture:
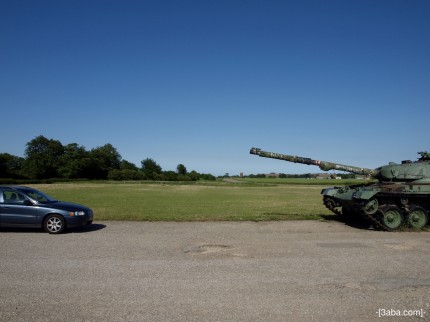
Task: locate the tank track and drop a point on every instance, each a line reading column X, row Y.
column 331, row 206
column 377, row 225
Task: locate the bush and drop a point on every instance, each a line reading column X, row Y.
column 125, row 174
column 207, row 176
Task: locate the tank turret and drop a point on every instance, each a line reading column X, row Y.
column 402, row 194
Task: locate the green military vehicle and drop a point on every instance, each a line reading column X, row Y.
column 400, row 196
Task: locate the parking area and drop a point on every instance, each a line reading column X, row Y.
column 214, row 271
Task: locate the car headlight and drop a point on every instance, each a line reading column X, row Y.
column 77, row 213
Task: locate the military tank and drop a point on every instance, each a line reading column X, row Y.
column 399, row 195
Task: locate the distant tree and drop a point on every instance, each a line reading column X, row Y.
column 181, row 169
column 4, row 171
column 104, row 159
column 151, row 169
column 125, row 174
column 125, row 165
column 259, row 175
column 170, row 176
column 10, row 166
column 184, row 177
column 128, row 174
column 115, row 174
column 207, row 176
column 48, row 158
column 194, row 175
column 43, row 158
column 75, row 163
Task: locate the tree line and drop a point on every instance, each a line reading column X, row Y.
column 48, row 158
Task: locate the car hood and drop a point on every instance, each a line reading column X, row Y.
column 69, row 206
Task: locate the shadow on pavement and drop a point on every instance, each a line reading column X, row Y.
column 86, row 229
column 80, row 230
column 355, row 221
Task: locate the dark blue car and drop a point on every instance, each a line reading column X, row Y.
column 28, row 207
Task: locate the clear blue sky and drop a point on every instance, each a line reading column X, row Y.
column 201, row 82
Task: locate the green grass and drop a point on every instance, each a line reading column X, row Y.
column 215, row 201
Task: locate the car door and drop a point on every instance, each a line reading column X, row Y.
column 16, row 210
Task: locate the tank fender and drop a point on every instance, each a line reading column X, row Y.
column 329, row 191
column 365, row 194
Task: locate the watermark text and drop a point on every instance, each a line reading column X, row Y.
column 400, row 313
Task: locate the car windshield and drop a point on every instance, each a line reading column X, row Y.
column 39, row 196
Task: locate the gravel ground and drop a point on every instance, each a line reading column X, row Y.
column 223, row 271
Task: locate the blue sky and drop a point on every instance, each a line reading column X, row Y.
column 201, row 82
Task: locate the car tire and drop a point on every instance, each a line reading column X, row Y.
column 54, row 224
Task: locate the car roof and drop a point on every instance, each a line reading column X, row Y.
column 16, row 187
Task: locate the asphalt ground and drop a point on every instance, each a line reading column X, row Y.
column 222, row 271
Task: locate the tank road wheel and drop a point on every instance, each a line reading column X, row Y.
column 417, row 218
column 391, row 217
column 371, row 207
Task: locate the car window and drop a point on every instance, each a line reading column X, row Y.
column 39, row 196
column 13, row 197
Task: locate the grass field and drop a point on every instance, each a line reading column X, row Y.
column 241, row 201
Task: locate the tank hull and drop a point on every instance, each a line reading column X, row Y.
column 386, row 206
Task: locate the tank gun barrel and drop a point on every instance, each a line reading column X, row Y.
column 323, row 165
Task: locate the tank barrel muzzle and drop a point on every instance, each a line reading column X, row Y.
column 255, row 151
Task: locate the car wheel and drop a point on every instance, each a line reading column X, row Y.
column 54, row 224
